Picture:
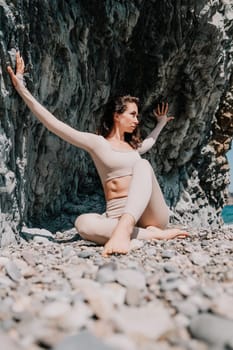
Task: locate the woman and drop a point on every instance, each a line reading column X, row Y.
column 135, row 204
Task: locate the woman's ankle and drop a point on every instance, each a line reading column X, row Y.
column 127, row 219
column 125, row 225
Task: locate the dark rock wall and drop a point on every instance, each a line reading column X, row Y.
column 77, row 54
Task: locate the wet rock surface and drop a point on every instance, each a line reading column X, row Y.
column 60, row 293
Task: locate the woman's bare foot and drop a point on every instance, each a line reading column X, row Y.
column 169, row 233
column 119, row 243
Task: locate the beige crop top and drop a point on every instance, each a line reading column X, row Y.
column 110, row 162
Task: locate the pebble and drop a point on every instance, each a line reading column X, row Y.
column 151, row 321
column 212, row 329
column 7, row 343
column 168, row 254
column 54, row 310
column 85, row 340
column 223, row 306
column 186, row 308
column 106, row 273
column 85, row 254
column 172, row 295
column 13, row 271
column 131, row 278
column 168, row 267
column 200, row 259
column 133, row 296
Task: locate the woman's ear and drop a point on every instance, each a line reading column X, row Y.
column 115, row 117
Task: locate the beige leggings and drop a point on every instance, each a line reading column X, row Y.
column 145, row 202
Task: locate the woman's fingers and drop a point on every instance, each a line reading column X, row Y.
column 161, row 112
column 10, row 71
column 158, row 110
column 164, row 108
column 170, row 118
column 20, row 66
column 12, row 75
column 19, row 63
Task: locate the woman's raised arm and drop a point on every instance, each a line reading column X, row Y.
column 161, row 116
column 66, row 132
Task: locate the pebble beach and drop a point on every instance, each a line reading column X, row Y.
column 58, row 292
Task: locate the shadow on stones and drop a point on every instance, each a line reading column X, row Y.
column 29, row 237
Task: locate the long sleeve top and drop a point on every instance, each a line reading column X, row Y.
column 110, row 162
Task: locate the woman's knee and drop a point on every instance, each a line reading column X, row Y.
column 159, row 219
column 82, row 224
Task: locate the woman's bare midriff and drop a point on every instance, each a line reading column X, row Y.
column 117, row 187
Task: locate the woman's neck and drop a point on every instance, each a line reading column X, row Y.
column 116, row 135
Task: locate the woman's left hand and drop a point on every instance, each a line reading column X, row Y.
column 161, row 113
column 20, row 66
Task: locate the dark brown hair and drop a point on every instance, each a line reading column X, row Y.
column 118, row 105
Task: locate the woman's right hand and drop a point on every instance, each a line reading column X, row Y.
column 161, row 113
column 20, row 66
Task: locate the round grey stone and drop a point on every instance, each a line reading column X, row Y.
column 212, row 329
column 82, row 341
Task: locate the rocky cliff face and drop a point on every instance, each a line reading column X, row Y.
column 80, row 52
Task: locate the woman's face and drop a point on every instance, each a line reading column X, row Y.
column 128, row 120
